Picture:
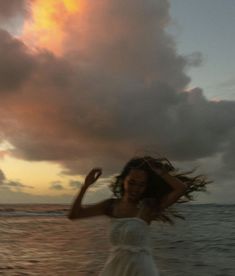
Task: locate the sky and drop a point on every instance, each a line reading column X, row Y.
column 88, row 84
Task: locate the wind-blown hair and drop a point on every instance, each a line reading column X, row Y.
column 157, row 188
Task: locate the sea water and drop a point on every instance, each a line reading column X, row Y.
column 40, row 240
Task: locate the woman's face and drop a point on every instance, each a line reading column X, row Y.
column 135, row 184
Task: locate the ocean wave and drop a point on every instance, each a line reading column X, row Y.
column 40, row 210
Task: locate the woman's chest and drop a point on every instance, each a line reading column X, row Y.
column 127, row 210
column 124, row 211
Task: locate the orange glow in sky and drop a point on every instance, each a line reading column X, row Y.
column 46, row 27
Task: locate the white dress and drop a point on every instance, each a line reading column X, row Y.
column 131, row 254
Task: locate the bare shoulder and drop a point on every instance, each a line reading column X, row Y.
column 91, row 210
column 103, row 206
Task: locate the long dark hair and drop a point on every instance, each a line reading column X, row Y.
column 157, row 187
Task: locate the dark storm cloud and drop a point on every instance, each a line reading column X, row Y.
column 119, row 88
column 16, row 63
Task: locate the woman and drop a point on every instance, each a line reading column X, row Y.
column 143, row 191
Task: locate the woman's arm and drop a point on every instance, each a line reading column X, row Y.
column 77, row 207
column 77, row 210
column 178, row 189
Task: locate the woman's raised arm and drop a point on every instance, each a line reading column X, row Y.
column 178, row 187
column 77, row 210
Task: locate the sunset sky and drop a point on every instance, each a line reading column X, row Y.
column 87, row 83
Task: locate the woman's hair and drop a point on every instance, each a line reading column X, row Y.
column 157, row 187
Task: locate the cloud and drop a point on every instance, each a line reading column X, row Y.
column 195, row 59
column 56, row 186
column 2, row 177
column 74, row 184
column 17, row 185
column 12, row 14
column 12, row 192
column 11, row 8
column 11, row 184
column 118, row 87
column 16, row 64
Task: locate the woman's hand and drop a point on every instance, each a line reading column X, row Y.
column 160, row 169
column 92, row 176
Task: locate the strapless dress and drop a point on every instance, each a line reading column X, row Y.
column 131, row 253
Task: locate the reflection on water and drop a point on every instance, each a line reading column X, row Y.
column 50, row 244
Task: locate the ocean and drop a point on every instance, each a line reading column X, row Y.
column 40, row 240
